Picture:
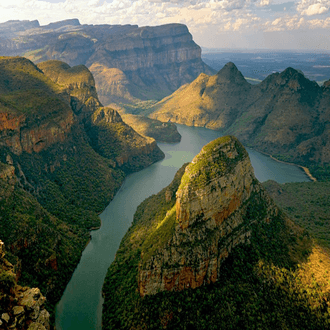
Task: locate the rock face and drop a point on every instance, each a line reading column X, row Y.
column 285, row 114
column 213, row 214
column 128, row 62
column 20, row 307
column 62, row 158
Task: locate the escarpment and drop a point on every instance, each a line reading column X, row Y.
column 20, row 307
column 56, row 172
column 211, row 248
column 129, row 62
column 127, row 150
column 212, row 216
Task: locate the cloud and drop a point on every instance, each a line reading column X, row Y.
column 313, row 7
column 263, row 3
column 239, row 17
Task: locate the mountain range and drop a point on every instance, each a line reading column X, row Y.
column 286, row 115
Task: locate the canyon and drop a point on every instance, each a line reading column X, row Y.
column 211, row 248
column 57, row 167
column 129, row 63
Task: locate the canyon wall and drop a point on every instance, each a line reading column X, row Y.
column 129, row 63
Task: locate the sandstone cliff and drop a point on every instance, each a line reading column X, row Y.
column 211, row 249
column 20, row 307
column 53, row 181
column 285, row 115
column 212, row 214
column 128, row 62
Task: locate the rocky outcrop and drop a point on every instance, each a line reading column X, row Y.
column 129, row 62
column 20, row 307
column 101, row 124
column 218, row 203
column 286, row 114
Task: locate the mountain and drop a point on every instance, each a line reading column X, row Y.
column 128, row 62
column 285, row 115
column 63, row 156
column 213, row 251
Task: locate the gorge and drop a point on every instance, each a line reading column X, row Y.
column 80, row 306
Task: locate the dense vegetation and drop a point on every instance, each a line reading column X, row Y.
column 308, row 203
column 59, row 183
column 44, row 249
column 279, row 281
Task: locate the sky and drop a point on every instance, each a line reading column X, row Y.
column 233, row 24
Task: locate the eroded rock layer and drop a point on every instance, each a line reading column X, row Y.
column 213, row 214
column 128, row 62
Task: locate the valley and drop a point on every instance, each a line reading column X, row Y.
column 82, row 310
column 202, row 231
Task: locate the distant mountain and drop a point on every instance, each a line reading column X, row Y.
column 63, row 156
column 213, row 251
column 286, row 114
column 128, row 62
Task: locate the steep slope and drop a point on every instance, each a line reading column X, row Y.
column 128, row 62
column 162, row 132
column 211, row 101
column 53, row 181
column 213, row 251
column 285, row 115
column 127, row 150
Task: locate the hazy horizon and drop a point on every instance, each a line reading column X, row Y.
column 229, row 24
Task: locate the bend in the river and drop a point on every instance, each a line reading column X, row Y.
column 81, row 304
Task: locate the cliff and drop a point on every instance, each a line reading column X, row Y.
column 53, row 181
column 212, row 216
column 285, row 115
column 128, row 62
column 20, row 307
column 210, row 250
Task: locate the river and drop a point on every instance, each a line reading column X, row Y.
column 81, row 305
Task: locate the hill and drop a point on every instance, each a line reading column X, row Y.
column 213, row 251
column 62, row 158
column 286, row 115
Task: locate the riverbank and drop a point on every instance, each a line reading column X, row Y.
column 305, row 169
